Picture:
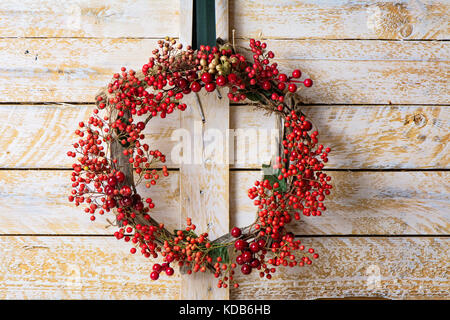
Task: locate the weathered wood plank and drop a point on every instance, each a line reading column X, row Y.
column 394, row 268
column 205, row 184
column 392, row 203
column 405, row 19
column 87, row 18
column 65, row 69
column 369, row 82
column 38, row 204
column 72, row 70
column 361, row 50
column 38, row 136
column 78, row 268
column 102, row 268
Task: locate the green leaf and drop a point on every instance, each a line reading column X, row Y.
column 253, row 96
column 219, row 252
column 272, row 175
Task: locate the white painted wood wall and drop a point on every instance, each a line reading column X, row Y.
column 380, row 98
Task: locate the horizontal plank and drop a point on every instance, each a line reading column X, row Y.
column 38, row 136
column 87, row 18
column 361, row 50
column 102, row 268
column 380, row 137
column 393, row 268
column 374, row 19
column 373, row 82
column 394, row 203
column 72, row 70
column 49, row 212
column 65, row 70
column 78, row 268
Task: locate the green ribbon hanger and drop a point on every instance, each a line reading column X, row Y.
column 204, row 23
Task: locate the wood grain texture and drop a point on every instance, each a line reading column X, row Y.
column 72, row 70
column 38, row 136
column 394, row 268
column 391, row 203
column 102, row 268
column 362, row 203
column 34, row 209
column 205, row 184
column 369, row 82
column 361, row 50
column 89, row 18
column 65, row 70
column 78, row 268
column 374, row 19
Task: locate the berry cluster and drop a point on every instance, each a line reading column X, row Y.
column 112, row 159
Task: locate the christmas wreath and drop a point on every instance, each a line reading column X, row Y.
column 112, row 159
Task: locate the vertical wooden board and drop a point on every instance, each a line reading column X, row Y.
column 334, row 19
column 204, row 173
column 186, row 21
column 78, row 268
column 379, row 267
column 222, row 19
column 204, row 183
column 89, row 18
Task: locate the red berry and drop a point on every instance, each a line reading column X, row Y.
column 261, row 243
column 210, row 87
column 154, row 275
column 206, row 77
column 182, row 83
column 240, row 244
column 112, row 181
column 246, row 269
column 195, row 86
column 282, row 77
column 125, row 191
column 308, row 82
column 236, row 232
column 255, row 263
column 169, row 271
column 157, row 267
column 140, row 125
column 266, row 85
column 307, row 125
column 111, row 203
column 296, row 73
column 239, row 260
column 120, row 176
column 292, row 87
column 221, row 81
column 247, row 256
column 232, row 77
column 254, row 247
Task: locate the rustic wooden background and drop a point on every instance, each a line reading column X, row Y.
column 381, row 100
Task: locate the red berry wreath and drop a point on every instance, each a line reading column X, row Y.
column 110, row 154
